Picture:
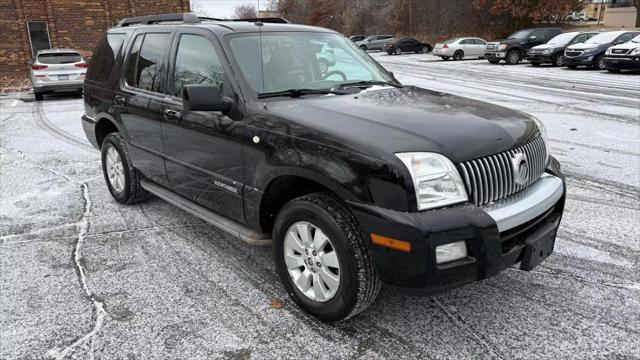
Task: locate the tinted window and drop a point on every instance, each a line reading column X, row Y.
column 151, row 61
column 132, row 61
column 104, row 56
column 39, row 36
column 197, row 62
column 581, row 38
column 626, row 37
column 539, row 34
column 59, row 58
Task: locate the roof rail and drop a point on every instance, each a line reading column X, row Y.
column 189, row 18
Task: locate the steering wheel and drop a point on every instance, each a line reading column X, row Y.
column 334, row 72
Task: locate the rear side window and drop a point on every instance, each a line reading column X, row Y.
column 104, row 57
column 59, row 58
column 147, row 74
column 197, row 62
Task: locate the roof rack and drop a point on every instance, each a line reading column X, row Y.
column 189, row 18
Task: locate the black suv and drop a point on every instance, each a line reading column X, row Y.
column 553, row 51
column 354, row 178
column 515, row 48
column 591, row 53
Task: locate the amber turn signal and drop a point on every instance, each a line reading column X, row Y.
column 390, row 243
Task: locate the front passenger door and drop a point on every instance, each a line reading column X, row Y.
column 204, row 149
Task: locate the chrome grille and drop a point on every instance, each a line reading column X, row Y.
column 572, row 53
column 619, row 51
column 492, row 177
column 493, row 46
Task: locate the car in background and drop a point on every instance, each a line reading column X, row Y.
column 625, row 56
column 578, row 16
column 514, row 48
column 356, row 38
column 374, row 42
column 398, row 46
column 591, row 53
column 57, row 70
column 459, row 48
column 553, row 51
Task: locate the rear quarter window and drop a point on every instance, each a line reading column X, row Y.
column 59, row 58
column 104, row 57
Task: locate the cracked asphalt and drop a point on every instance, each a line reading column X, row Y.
column 82, row 276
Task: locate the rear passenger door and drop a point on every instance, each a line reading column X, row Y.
column 204, row 149
column 140, row 98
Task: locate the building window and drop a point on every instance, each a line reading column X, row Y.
column 39, row 36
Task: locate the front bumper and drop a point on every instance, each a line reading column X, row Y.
column 622, row 63
column 539, row 58
column 495, row 55
column 582, row 60
column 496, row 236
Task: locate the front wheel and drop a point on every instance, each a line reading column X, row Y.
column 123, row 180
column 322, row 259
column 398, row 51
column 513, row 57
column 599, row 63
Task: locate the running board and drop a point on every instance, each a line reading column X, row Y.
column 238, row 230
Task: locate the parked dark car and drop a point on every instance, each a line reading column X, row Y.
column 591, row 53
column 398, row 46
column 553, row 51
column 355, row 179
column 356, row 38
column 514, row 48
column 625, row 56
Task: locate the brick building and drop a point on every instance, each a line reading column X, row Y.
column 29, row 25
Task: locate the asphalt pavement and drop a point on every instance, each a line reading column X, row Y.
column 82, row 276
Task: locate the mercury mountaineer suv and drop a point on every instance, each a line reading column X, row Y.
column 354, row 178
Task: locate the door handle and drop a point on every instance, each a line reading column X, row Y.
column 172, row 114
column 120, row 100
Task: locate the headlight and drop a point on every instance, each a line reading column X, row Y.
column 635, row 51
column 590, row 50
column 543, row 133
column 435, row 179
column 608, row 52
column 503, row 46
column 548, row 51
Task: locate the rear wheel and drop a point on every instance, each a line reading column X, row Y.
column 558, row 59
column 363, row 47
column 513, row 57
column 322, row 259
column 38, row 95
column 123, row 180
column 458, row 55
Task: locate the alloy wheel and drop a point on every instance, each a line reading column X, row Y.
column 312, row 261
column 514, row 57
column 115, row 169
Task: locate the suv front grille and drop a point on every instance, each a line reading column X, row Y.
column 619, row 51
column 572, row 53
column 493, row 177
column 493, row 46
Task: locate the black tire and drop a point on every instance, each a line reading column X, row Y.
column 558, row 59
column 494, row 62
column 613, row 70
column 359, row 283
column 458, row 55
column 398, row 51
column 535, row 63
column 445, row 58
column 132, row 190
column 38, row 95
column 513, row 57
column 572, row 67
column 599, row 63
column 363, row 47
column 389, row 52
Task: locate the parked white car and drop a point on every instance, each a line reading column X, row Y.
column 56, row 70
column 460, row 48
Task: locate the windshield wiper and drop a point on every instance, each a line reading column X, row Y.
column 295, row 93
column 367, row 83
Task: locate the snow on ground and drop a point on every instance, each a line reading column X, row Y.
column 173, row 286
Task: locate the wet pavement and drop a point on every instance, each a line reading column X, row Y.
column 82, row 276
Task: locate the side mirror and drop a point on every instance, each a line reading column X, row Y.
column 205, row 97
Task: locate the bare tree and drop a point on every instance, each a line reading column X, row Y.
column 245, row 12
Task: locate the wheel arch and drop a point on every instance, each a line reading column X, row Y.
column 105, row 124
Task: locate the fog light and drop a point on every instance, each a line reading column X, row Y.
column 450, row 252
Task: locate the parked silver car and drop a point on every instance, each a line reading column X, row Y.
column 55, row 70
column 459, row 48
column 375, row 42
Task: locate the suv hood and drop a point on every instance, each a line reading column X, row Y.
column 627, row 45
column 547, row 46
column 585, row 46
column 390, row 120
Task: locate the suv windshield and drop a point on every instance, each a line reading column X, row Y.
column 603, row 38
column 522, row 34
column 561, row 39
column 59, row 58
column 278, row 61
